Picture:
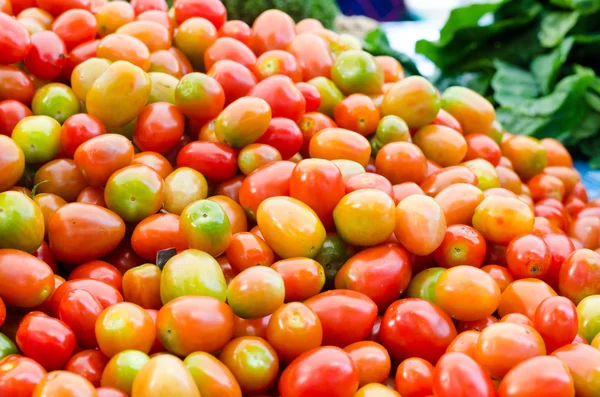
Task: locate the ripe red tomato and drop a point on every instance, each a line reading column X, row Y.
column 104, row 293
column 235, row 79
column 216, row 161
column 88, row 364
column 16, row 85
column 79, row 310
column 47, row 340
column 416, row 328
column 457, row 374
column 556, row 321
column 75, row 27
column 303, row 277
column 228, row 48
column 547, row 375
column 14, row 40
column 284, row 135
column 159, row 127
column 26, row 285
column 579, row 275
column 98, row 270
column 332, row 374
column 381, row 272
column 528, row 256
column 270, row 180
column 140, row 6
column 312, row 96
column 99, row 157
column 336, row 309
column 462, row 245
column 284, row 98
column 272, row 30
column 276, row 62
column 372, row 360
column 561, row 247
column 414, row 378
column 78, row 129
column 48, row 55
column 11, row 112
column 157, row 232
column 238, row 30
column 213, row 10
column 19, row 375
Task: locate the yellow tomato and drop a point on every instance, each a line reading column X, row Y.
column 365, row 217
column 85, row 74
column 119, row 94
column 290, row 227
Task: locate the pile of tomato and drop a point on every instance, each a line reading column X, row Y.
column 191, row 206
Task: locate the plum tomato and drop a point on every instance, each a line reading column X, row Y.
column 123, row 47
column 255, row 155
column 457, row 371
column 88, row 364
column 155, row 233
column 527, row 155
column 22, row 224
column 159, row 128
column 524, row 296
column 382, row 273
column 246, row 250
column 27, row 285
column 48, row 55
column 416, row 328
column 238, row 30
column 369, row 180
column 85, row 74
column 11, row 113
column 235, row 79
column 79, row 310
column 20, row 375
column 124, row 326
column 272, row 30
column 92, row 195
column 356, row 71
column 413, row 99
column 414, row 378
column 141, row 285
column 178, row 325
column 16, row 42
column 243, row 122
column 182, row 187
column 228, row 48
column 235, row 213
column 335, row 308
column 466, row 293
column 330, row 95
column 211, row 376
column 484, row 147
column 465, row 343
column 164, row 375
column 500, row 219
column 312, row 96
column 212, row 10
column 112, row 16
column 75, row 26
column 583, row 363
column 256, row 292
column 78, row 129
column 294, row 329
column 462, row 245
column 214, row 160
column 538, row 373
column 104, row 99
column 253, row 362
column 192, row 39
column 60, row 177
column 206, row 226
column 38, row 137
column 441, row 179
column 486, row 173
column 302, row 277
column 199, row 96
column 528, row 256
column 333, row 374
column 192, row 272
column 278, row 62
column 579, row 275
column 556, row 321
column 440, row 144
column 422, row 284
column 389, row 129
column 154, row 161
column 420, row 224
column 401, row 162
column 365, row 217
column 500, row 274
column 313, row 55
column 357, row 113
column 474, row 113
column 47, row 340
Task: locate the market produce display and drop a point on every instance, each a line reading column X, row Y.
column 194, row 207
column 536, row 60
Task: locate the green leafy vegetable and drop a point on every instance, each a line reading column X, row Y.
column 555, row 26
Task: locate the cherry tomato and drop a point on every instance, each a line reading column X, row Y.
column 500, row 219
column 228, row 48
column 47, row 340
column 122, row 369
column 302, row 277
column 556, row 321
column 211, row 376
column 163, row 375
column 335, row 308
column 416, row 328
column 462, row 245
column 527, row 155
column 313, row 55
column 235, row 79
column 20, row 375
column 458, row 373
column 582, row 362
column 61, row 178
column 256, row 284
column 333, row 374
column 26, row 285
column 217, row 161
column 253, row 362
column 15, row 85
column 528, row 256
column 372, row 360
column 124, row 326
column 79, row 310
column 579, row 274
column 278, row 62
column 500, row 274
column 99, row 157
column 414, row 378
column 48, row 55
column 238, row 30
column 246, row 250
column 15, row 40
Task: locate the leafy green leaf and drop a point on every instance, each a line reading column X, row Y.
column 555, row 26
column 593, row 100
column 583, row 6
column 376, row 43
column 546, row 68
column 463, row 35
column 477, row 81
column 594, row 163
column 510, row 81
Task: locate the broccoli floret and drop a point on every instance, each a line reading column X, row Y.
column 247, row 10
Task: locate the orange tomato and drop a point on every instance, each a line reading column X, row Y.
column 401, row 162
column 524, row 296
column 420, row 224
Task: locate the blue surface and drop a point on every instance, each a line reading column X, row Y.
column 590, row 178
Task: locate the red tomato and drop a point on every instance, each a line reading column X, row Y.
column 104, row 293
column 78, row 129
column 246, row 250
column 11, row 112
column 372, row 360
column 270, row 180
column 556, row 321
column 282, row 95
column 579, row 275
column 313, row 55
column 481, row 146
column 236, row 79
column 228, row 48
column 369, row 180
column 141, row 6
column 278, row 62
column 313, row 175
column 446, row 119
column 310, row 124
column 414, row 378
column 88, row 364
column 26, row 285
column 272, row 30
column 528, row 256
column 15, row 84
column 312, row 96
column 124, row 257
column 79, row 310
column 19, row 376
column 47, row 340
column 547, row 375
column 382, row 273
column 99, row 270
column 159, row 128
column 238, row 30
column 155, row 233
column 79, row 54
column 216, row 161
column 560, row 247
column 75, row 27
column 48, row 55
column 477, row 325
column 416, row 328
column 303, row 277
column 336, row 309
column 213, row 10
column 458, row 375
column 14, row 40
column 322, row 372
column 57, row 7
column 462, row 245
column 284, row 135
column 584, row 364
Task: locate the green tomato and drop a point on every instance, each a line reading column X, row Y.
column 38, row 137
column 121, row 370
column 55, row 100
column 206, row 227
column 357, row 72
column 390, row 129
column 192, row 272
column 332, row 256
column 21, row 222
column 588, row 313
column 163, row 87
column 7, row 347
column 330, row 94
column 422, row 285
